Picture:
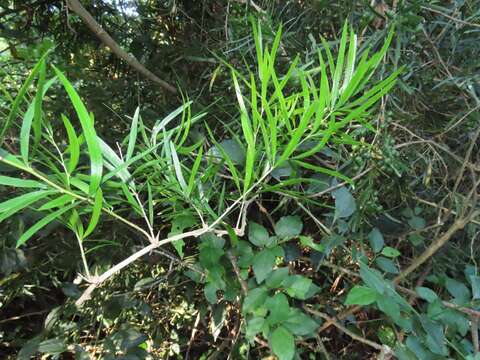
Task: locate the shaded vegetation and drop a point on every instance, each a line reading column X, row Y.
column 310, row 191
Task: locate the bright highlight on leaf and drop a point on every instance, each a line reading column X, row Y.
column 96, row 161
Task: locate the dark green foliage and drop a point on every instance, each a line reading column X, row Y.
column 317, row 149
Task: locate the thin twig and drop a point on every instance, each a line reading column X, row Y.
column 18, row 317
column 474, row 331
column 106, row 39
column 344, row 329
column 435, row 246
column 335, row 187
column 242, row 282
column 460, row 21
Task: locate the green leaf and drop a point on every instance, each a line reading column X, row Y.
column 12, row 206
column 54, row 346
column 307, row 241
column 278, row 307
column 230, row 148
column 115, row 164
column 94, row 150
column 177, row 167
column 42, row 88
column 25, row 132
column 161, row 124
column 475, row 281
column 58, row 202
column 132, row 138
column 361, row 295
column 254, row 299
column 276, row 277
column 300, row 324
column 263, row 263
column 73, row 145
column 417, row 223
column 210, row 292
column 373, row 279
column 297, row 286
column 389, row 306
column 288, row 226
column 282, row 343
column 20, row 97
column 435, row 336
column 426, row 294
column 458, row 290
column 386, row 265
column 257, row 234
column 193, row 173
column 345, row 204
column 417, row 348
column 179, row 224
column 390, row 252
column 21, row 183
column 375, row 238
column 96, row 212
column 254, row 326
column 40, row 224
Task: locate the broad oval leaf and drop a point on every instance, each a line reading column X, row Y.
column 361, row 295
column 257, row 234
column 282, row 343
column 289, row 226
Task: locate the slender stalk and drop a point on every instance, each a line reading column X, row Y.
column 82, row 253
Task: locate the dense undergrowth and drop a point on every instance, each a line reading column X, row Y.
column 311, row 194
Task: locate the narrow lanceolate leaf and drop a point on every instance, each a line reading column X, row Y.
column 57, row 202
column 37, row 117
column 12, row 206
column 96, row 160
column 20, row 98
column 114, row 163
column 73, row 145
column 25, row 132
column 97, row 210
column 11, row 160
column 177, row 166
column 15, row 182
column 132, row 139
column 42, row 223
column 193, row 173
column 160, row 125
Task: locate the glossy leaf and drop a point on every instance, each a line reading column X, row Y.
column 96, row 212
column 73, row 145
column 132, row 138
column 94, row 151
column 20, row 183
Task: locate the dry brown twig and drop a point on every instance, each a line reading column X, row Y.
column 344, row 329
column 106, row 39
